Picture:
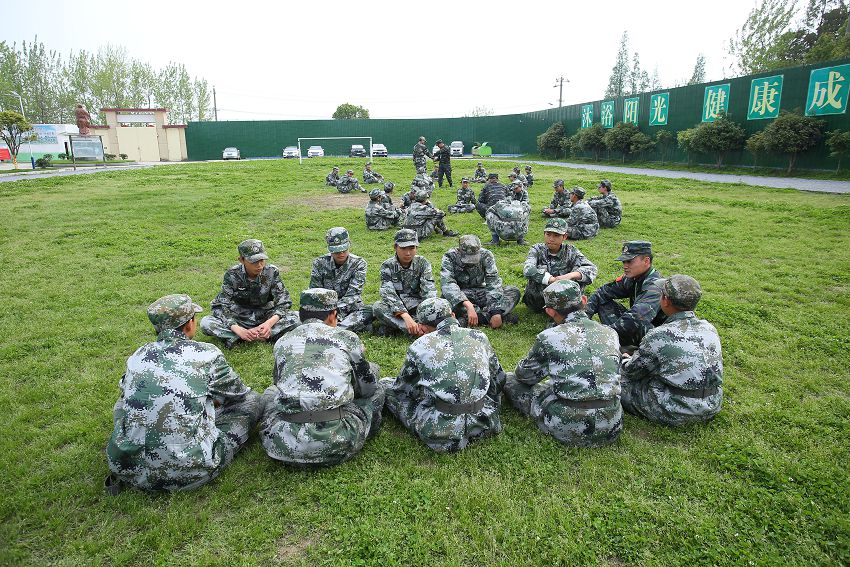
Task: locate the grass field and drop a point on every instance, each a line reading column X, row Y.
column 767, row 482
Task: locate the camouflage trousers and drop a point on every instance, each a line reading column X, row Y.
column 479, row 298
column 554, row 214
column 606, row 219
column 383, row 314
column 610, row 311
column 307, row 445
column 652, row 401
column 372, row 179
column 214, row 326
column 461, row 208
column 440, row 431
column 349, row 187
column 428, row 228
column 581, row 233
column 533, row 296
column 571, row 426
column 355, row 318
column 419, row 162
column 149, row 468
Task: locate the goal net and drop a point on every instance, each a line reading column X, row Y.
column 336, row 146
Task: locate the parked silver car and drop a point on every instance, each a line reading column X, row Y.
column 456, row 148
column 379, row 150
column 231, row 153
column 316, row 151
column 290, row 152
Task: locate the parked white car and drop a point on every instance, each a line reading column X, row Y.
column 290, row 152
column 231, row 153
column 456, row 148
column 379, row 150
column 316, row 151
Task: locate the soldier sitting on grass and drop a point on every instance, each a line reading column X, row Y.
column 332, row 178
column 465, row 198
column 480, row 175
column 607, row 206
column 582, row 222
column 349, row 183
column 370, row 176
column 560, row 205
column 380, row 215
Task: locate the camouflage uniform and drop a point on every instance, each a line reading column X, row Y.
column 520, row 177
column 386, row 198
column 332, row 178
column 422, row 181
column 168, row 433
column 491, row 193
column 518, row 193
column 420, row 150
column 560, row 204
column 403, row 289
column 582, row 222
column 529, row 178
column 644, row 296
column 425, row 218
column 349, row 183
column 448, row 392
column 469, row 272
column 480, row 175
column 676, row 375
column 608, row 209
column 346, row 280
column 326, row 400
column 541, row 265
column 370, row 176
column 249, row 303
column 465, row 199
column 380, row 215
column 569, row 382
column 508, row 220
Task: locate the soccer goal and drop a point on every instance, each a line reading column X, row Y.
column 301, row 155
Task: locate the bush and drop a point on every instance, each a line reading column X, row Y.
column 719, row 137
column 63, row 156
column 592, row 140
column 792, row 134
column 641, row 143
column 838, row 142
column 44, row 161
column 108, row 156
column 549, row 142
column 627, row 139
column 122, row 156
column 685, row 139
column 663, row 140
column 756, row 146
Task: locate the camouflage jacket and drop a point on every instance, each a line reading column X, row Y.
column 444, row 155
column 644, row 301
column 455, row 276
column 540, row 265
column 420, row 215
column 346, row 280
column 422, row 180
column 508, row 219
column 407, row 199
column 522, row 178
column 457, row 366
column 165, row 437
column 492, row 193
column 608, row 203
column 580, row 357
column 372, row 176
column 347, row 184
column 405, row 288
column 380, row 216
column 240, row 296
column 529, row 179
column 561, row 204
column 684, row 353
column 420, row 150
column 521, row 196
column 465, row 196
column 583, row 222
column 480, row 174
column 387, row 200
column 332, row 179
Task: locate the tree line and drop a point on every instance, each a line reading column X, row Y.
column 52, row 84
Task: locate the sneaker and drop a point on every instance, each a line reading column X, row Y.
column 510, row 318
column 230, row 343
column 492, row 243
column 449, row 233
column 522, row 242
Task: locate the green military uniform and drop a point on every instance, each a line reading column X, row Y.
column 465, row 199
column 560, row 204
column 425, row 218
column 569, row 382
column 169, row 434
column 582, row 222
column 332, row 178
column 469, row 273
column 347, row 280
column 676, row 375
column 349, row 183
column 326, row 400
column 381, row 215
column 448, row 392
column 370, row 176
column 480, row 175
column 608, row 208
column 529, row 177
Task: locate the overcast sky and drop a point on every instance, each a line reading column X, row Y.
column 280, row 60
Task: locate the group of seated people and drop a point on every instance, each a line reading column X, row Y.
column 183, row 412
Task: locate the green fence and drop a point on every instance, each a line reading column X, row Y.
column 795, row 88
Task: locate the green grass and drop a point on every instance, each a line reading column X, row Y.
column 843, row 175
column 767, row 482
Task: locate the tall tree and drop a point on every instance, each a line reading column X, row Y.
column 14, row 130
column 698, row 76
column 654, row 81
column 634, row 75
column 617, row 82
column 759, row 44
column 346, row 111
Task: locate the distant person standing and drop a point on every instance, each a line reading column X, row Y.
column 420, row 151
column 444, row 158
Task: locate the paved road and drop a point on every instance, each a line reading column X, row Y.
column 820, row 185
column 80, row 170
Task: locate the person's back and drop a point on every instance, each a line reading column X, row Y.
column 583, row 222
column 508, row 220
column 421, row 217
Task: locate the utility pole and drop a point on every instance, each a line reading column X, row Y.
column 559, row 83
column 215, row 106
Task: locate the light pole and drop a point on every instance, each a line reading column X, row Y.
column 29, row 142
column 559, row 83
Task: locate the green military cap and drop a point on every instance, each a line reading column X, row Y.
column 516, row 168
column 469, row 249
column 558, row 183
column 337, row 239
column 336, row 168
column 438, row 142
column 683, row 291
column 368, row 163
column 605, row 183
column 516, row 183
column 492, row 175
column 562, row 295
column 479, row 164
column 512, row 174
column 318, row 300
column 172, row 311
column 634, row 248
column 579, row 192
column 406, row 237
column 465, row 180
column 433, row 310
column 528, row 168
column 389, row 186
column 375, row 193
column 252, row 250
column 349, row 171
column 557, row 225
column 422, row 193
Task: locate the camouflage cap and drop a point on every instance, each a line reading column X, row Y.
column 492, row 175
column 465, row 180
column 683, row 291
column 337, row 239
column 512, row 174
column 479, row 163
column 368, row 163
column 318, row 300
column 516, row 183
column 336, row 167
column 516, row 168
column 469, row 249
column 376, row 193
column 578, row 192
column 438, row 142
column 558, row 183
column 557, row 225
column 634, row 248
column 351, row 171
column 422, row 193
column 562, row 295
column 172, row 311
column 432, row 310
column 528, row 168
column 605, row 183
column 252, row 250
column 406, row 237
column 389, row 186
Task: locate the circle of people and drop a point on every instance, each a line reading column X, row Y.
column 183, row 413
